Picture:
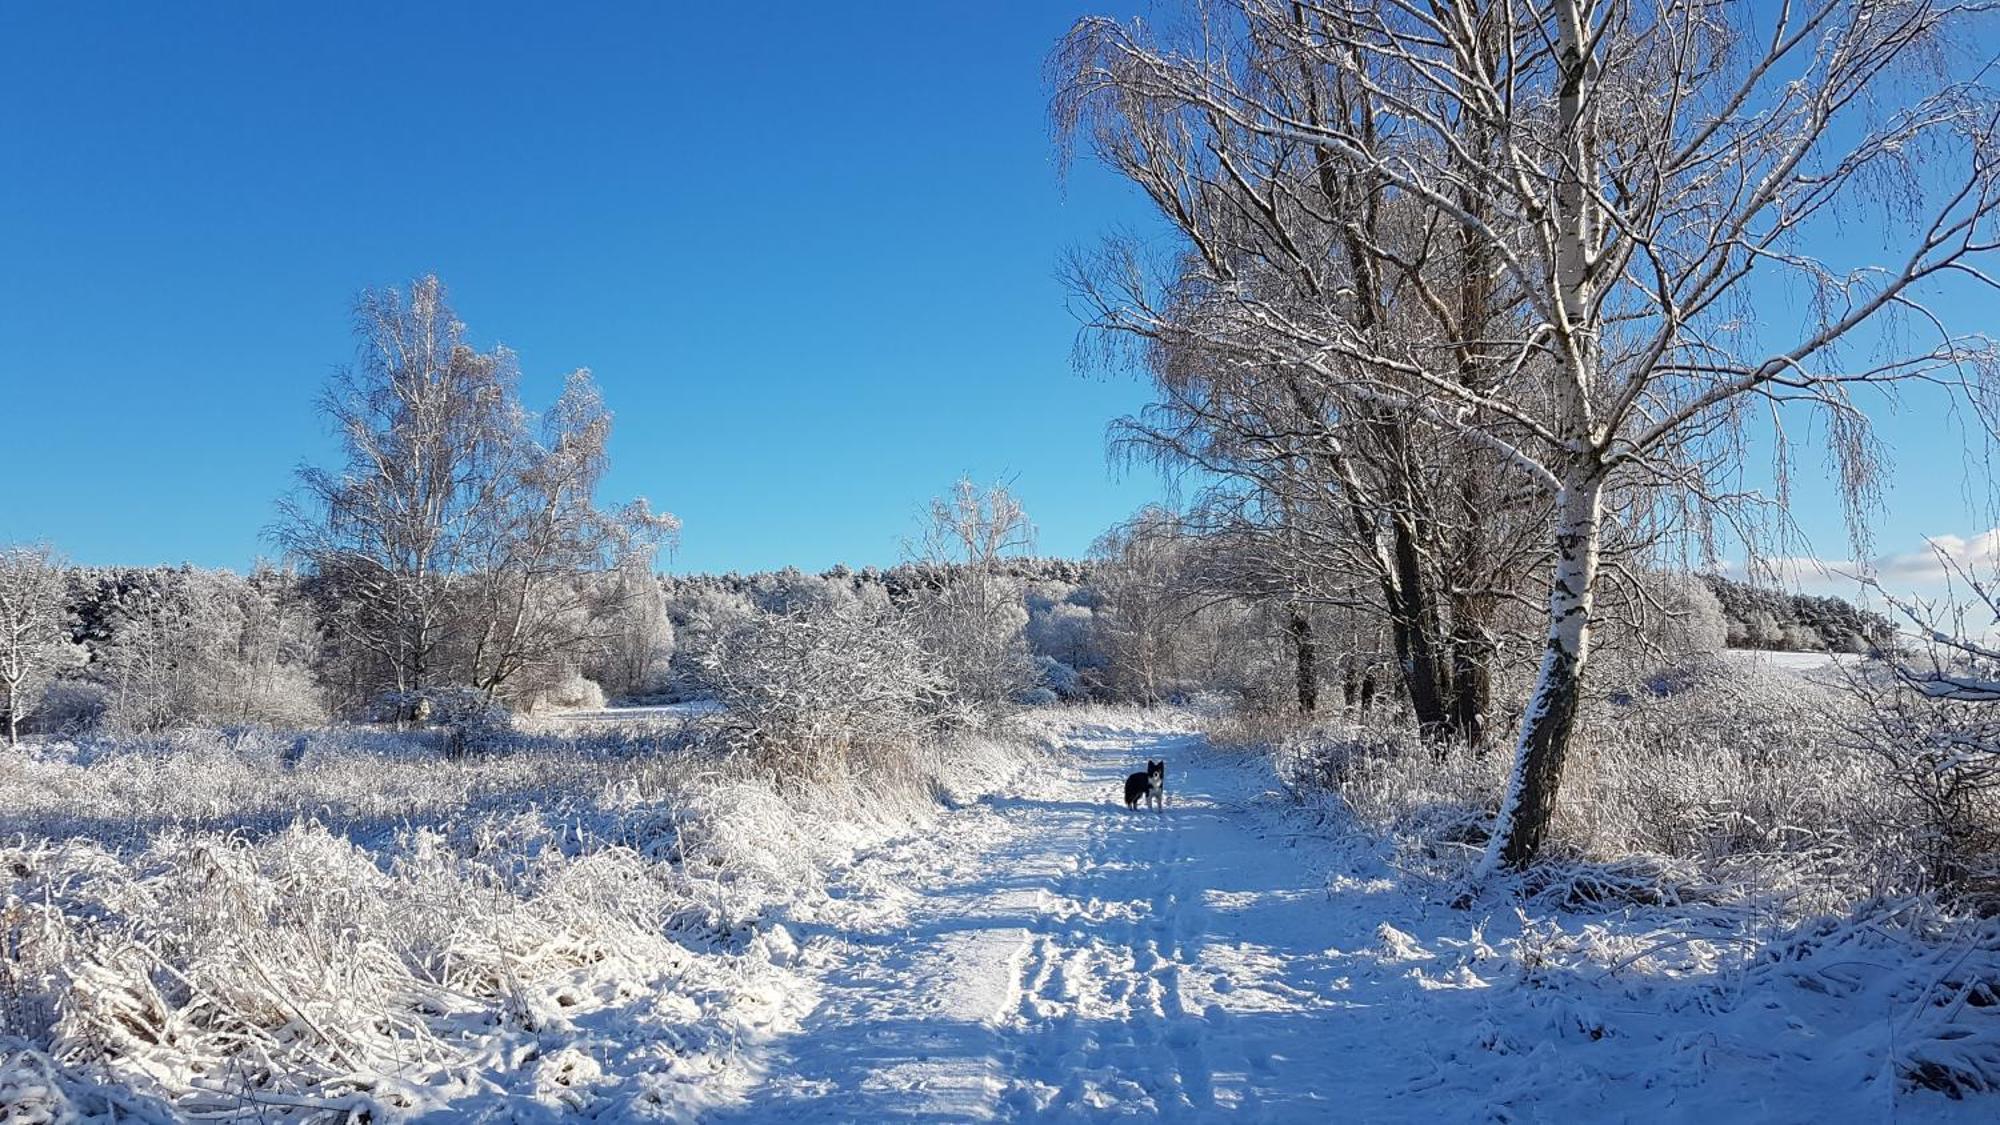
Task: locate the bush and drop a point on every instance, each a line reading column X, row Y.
column 71, row 708
column 833, row 687
column 471, row 721
column 1058, row 680
column 571, row 691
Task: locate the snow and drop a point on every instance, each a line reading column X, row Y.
column 1050, row 955
column 648, row 713
column 1022, row 948
column 1811, row 664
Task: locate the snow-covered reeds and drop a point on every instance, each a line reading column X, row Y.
column 1725, row 771
column 347, row 921
column 1734, row 827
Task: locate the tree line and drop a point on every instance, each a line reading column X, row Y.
column 1457, row 306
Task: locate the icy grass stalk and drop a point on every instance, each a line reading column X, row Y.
column 373, row 930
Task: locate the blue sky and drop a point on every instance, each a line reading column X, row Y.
column 810, row 257
column 808, row 251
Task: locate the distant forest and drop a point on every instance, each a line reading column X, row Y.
column 1768, row 618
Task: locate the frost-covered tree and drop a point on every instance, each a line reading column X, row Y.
column 636, row 656
column 427, row 425
column 455, row 544
column 1636, row 179
column 203, row 647
column 34, row 637
column 539, row 596
column 1141, row 579
column 969, row 612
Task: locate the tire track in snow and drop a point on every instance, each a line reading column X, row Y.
column 1080, row 961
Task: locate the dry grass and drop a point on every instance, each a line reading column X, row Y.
column 232, row 923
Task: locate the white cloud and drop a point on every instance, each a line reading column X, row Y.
column 1934, row 564
column 1924, row 572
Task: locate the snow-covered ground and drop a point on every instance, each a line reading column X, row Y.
column 1047, row 955
column 618, row 933
column 1817, row 664
column 644, row 713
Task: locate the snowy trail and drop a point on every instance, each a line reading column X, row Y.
column 1063, row 957
column 1051, row 956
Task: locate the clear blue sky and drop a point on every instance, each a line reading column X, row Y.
column 808, row 250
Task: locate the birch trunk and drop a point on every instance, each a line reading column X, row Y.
column 1532, row 785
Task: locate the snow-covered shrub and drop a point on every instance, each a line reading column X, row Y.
column 1064, row 631
column 570, row 691
column 1943, row 755
column 1060, row 680
column 469, row 719
column 70, row 708
column 971, row 628
column 1933, row 721
column 1652, row 620
column 828, row 689
column 792, row 590
column 702, row 617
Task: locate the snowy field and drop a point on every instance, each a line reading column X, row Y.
column 1827, row 667
column 651, row 939
column 1048, row 956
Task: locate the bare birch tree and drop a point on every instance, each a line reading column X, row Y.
column 1640, row 177
column 34, row 642
column 426, row 423
column 970, row 616
column 454, row 546
column 540, row 592
column 1141, row 573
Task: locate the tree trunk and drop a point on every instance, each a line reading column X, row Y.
column 1307, row 656
column 1529, row 805
column 1414, row 619
column 1471, row 676
column 1536, row 777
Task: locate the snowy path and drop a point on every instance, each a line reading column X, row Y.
column 1065, row 957
column 1051, row 956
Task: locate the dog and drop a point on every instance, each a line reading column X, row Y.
column 1151, row 785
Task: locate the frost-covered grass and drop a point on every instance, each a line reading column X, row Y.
column 345, row 921
column 1725, row 779
column 1729, row 827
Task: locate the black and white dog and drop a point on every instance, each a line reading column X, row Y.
column 1151, row 785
